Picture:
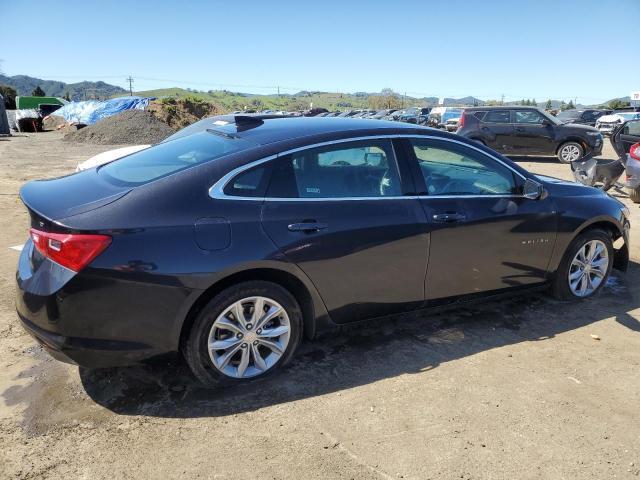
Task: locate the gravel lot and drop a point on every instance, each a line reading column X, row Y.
column 510, row 389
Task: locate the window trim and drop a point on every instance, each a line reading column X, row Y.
column 216, row 191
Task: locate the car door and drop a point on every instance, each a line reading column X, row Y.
column 497, row 130
column 339, row 213
column 485, row 235
column 625, row 136
column 532, row 135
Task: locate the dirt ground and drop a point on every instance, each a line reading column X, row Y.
column 510, row 389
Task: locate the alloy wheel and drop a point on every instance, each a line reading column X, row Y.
column 249, row 337
column 570, row 153
column 588, row 268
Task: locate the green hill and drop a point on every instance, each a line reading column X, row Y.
column 24, row 85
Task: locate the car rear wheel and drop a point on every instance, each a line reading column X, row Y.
column 570, row 152
column 585, row 267
column 634, row 194
column 247, row 331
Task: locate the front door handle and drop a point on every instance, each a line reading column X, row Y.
column 450, row 217
column 307, row 227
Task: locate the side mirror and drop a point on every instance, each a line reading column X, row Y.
column 532, row 189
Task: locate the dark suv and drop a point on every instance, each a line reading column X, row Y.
column 582, row 117
column 529, row 131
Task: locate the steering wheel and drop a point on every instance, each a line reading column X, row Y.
column 456, row 186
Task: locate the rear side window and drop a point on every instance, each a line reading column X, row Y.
column 355, row 169
column 166, row 158
column 479, row 115
column 497, row 116
column 251, row 183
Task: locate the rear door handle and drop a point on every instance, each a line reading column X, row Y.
column 450, row 217
column 307, row 227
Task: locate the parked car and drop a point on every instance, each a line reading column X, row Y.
column 412, row 115
column 626, row 142
column 440, row 115
column 233, row 242
column 608, row 123
column 384, row 113
column 452, row 124
column 583, row 117
column 529, row 131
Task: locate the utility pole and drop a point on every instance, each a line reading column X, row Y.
column 278, row 91
column 502, row 101
column 130, row 80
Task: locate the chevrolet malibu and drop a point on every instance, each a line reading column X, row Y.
column 239, row 237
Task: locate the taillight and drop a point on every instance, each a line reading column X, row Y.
column 68, row 249
column 461, row 122
column 634, row 151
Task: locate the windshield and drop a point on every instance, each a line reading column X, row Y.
column 170, row 157
column 629, row 116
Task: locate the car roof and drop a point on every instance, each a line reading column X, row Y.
column 271, row 130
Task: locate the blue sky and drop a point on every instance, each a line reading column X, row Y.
column 540, row 48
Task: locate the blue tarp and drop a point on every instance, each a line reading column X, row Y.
column 90, row 111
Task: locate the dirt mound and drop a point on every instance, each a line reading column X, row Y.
column 53, row 122
column 131, row 127
column 180, row 113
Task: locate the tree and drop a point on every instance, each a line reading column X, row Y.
column 563, row 105
column 522, row 102
column 38, row 92
column 570, row 106
column 9, row 95
column 534, row 103
column 549, row 105
column 67, row 97
column 617, row 103
column 385, row 100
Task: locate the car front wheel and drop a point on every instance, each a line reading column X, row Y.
column 247, row 331
column 585, row 267
column 570, row 152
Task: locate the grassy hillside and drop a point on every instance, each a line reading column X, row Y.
column 229, row 101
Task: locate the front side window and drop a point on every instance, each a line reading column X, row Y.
column 498, row 116
column 451, row 169
column 528, row 116
column 355, row 169
column 632, row 128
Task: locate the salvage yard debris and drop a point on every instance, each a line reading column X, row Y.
column 133, row 127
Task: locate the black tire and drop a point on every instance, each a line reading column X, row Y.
column 195, row 348
column 567, row 145
column 560, row 284
column 634, row 195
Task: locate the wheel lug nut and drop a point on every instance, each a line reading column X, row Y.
column 255, row 342
column 249, row 326
column 259, row 331
column 244, row 345
column 239, row 335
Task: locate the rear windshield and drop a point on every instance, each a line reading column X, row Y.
column 170, row 157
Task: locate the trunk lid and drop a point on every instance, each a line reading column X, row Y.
column 63, row 197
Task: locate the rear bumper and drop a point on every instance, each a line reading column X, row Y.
column 86, row 352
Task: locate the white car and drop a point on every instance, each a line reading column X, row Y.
column 109, row 156
column 608, row 123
